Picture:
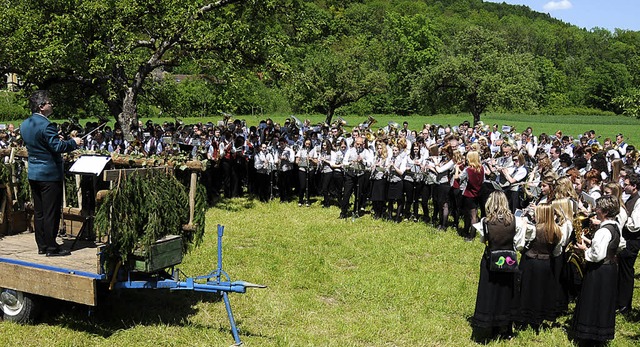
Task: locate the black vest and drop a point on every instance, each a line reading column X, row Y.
column 612, row 247
column 630, row 204
column 500, row 236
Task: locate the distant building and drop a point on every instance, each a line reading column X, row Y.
column 11, row 82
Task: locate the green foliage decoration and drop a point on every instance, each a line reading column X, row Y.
column 24, row 189
column 22, row 183
column 195, row 238
column 71, row 190
column 5, row 173
column 142, row 208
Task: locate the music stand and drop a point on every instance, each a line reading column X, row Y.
column 90, row 167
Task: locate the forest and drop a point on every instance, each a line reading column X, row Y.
column 130, row 59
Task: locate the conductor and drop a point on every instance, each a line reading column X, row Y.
column 46, row 171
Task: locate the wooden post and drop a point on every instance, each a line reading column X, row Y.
column 14, row 179
column 79, row 192
column 192, row 196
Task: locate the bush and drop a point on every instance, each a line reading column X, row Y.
column 11, row 107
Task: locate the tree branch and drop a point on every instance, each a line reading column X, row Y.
column 214, row 5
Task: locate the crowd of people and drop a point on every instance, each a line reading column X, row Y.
column 533, row 193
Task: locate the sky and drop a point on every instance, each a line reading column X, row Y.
column 607, row 14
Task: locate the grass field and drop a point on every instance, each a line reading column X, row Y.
column 331, row 283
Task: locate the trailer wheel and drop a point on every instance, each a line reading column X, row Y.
column 17, row 306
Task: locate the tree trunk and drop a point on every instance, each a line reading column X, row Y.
column 128, row 118
column 330, row 112
column 476, row 117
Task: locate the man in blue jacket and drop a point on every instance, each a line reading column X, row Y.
column 46, row 171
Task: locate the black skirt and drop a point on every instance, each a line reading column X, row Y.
column 595, row 315
column 562, row 296
column 394, row 190
column 379, row 190
column 496, row 298
column 441, row 194
column 538, row 292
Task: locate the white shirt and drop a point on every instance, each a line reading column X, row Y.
column 598, row 250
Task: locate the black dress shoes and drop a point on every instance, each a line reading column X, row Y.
column 42, row 251
column 58, row 253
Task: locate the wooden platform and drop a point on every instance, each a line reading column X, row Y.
column 70, row 278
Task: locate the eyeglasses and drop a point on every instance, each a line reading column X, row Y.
column 47, row 103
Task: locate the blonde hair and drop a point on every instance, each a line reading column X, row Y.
column 402, row 144
column 383, row 149
column 616, row 192
column 473, row 159
column 616, row 166
column 564, row 207
column 565, row 189
column 457, row 157
column 546, row 219
column 497, row 208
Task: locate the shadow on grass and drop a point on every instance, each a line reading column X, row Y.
column 234, row 204
column 127, row 309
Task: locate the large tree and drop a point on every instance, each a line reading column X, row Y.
column 477, row 72
column 332, row 76
column 110, row 48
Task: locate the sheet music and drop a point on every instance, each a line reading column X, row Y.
column 590, row 200
column 90, row 164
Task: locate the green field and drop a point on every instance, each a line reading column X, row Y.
column 331, row 283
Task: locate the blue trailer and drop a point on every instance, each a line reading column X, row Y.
column 25, row 277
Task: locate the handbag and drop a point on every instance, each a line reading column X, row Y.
column 501, row 260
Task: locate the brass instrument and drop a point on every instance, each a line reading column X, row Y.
column 393, row 126
column 581, row 227
column 368, row 123
column 370, row 136
column 298, row 122
column 339, row 122
column 226, row 118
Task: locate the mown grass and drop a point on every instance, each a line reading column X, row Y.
column 331, row 283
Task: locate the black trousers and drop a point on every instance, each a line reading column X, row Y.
column 304, row 179
column 352, row 185
column 47, row 205
column 626, row 273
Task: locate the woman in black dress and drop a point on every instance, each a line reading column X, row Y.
column 594, row 319
column 497, row 296
column 325, row 171
column 379, row 180
column 538, row 286
column 396, row 165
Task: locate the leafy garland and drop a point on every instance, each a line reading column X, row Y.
column 24, row 189
column 71, row 190
column 143, row 208
column 5, row 173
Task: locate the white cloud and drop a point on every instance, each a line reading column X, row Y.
column 557, row 5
